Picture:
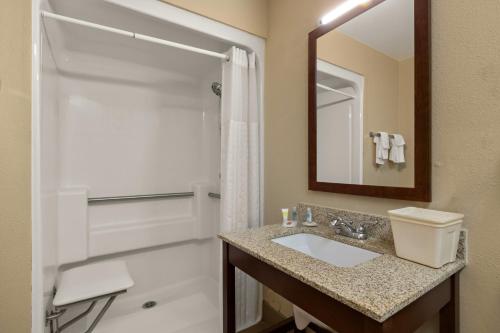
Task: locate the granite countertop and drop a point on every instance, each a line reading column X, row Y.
column 377, row 288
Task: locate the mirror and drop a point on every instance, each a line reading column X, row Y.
column 369, row 104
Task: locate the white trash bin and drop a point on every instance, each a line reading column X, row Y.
column 426, row 236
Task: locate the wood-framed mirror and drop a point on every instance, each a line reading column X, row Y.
column 370, row 102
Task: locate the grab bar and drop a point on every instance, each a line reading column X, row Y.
column 141, row 197
column 214, row 195
column 373, row 134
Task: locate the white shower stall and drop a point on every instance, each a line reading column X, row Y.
column 339, row 112
column 127, row 158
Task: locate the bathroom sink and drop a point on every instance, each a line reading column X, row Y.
column 330, row 251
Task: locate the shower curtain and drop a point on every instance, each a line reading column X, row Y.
column 240, row 207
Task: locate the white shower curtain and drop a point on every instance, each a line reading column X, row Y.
column 240, row 205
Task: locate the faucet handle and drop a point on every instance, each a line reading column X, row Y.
column 334, row 221
column 361, row 229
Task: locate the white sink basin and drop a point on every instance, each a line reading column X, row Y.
column 330, row 251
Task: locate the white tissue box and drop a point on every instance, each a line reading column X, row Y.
column 425, row 236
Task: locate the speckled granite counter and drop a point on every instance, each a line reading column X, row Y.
column 377, row 288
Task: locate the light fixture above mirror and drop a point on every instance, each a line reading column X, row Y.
column 342, row 9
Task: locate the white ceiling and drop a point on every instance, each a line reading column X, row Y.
column 388, row 28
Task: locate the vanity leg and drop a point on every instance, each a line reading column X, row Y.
column 228, row 271
column 449, row 315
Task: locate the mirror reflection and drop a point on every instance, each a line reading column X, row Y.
column 365, row 98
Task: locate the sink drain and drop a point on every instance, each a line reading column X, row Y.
column 149, row 305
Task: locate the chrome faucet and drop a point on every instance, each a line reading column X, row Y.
column 347, row 229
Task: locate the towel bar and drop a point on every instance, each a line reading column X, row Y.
column 373, row 134
column 214, row 195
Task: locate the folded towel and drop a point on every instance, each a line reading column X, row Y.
column 397, row 154
column 381, row 141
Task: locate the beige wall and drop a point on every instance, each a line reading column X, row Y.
column 15, row 224
column 466, row 95
column 382, row 101
column 248, row 15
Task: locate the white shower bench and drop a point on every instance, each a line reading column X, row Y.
column 88, row 284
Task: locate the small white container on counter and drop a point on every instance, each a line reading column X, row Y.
column 425, row 236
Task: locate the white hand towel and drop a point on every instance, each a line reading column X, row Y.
column 397, row 154
column 303, row 319
column 381, row 147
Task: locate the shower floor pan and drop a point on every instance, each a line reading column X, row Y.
column 195, row 312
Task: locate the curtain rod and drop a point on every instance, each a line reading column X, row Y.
column 322, row 86
column 134, row 35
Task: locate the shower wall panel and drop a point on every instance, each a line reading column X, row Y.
column 124, row 134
